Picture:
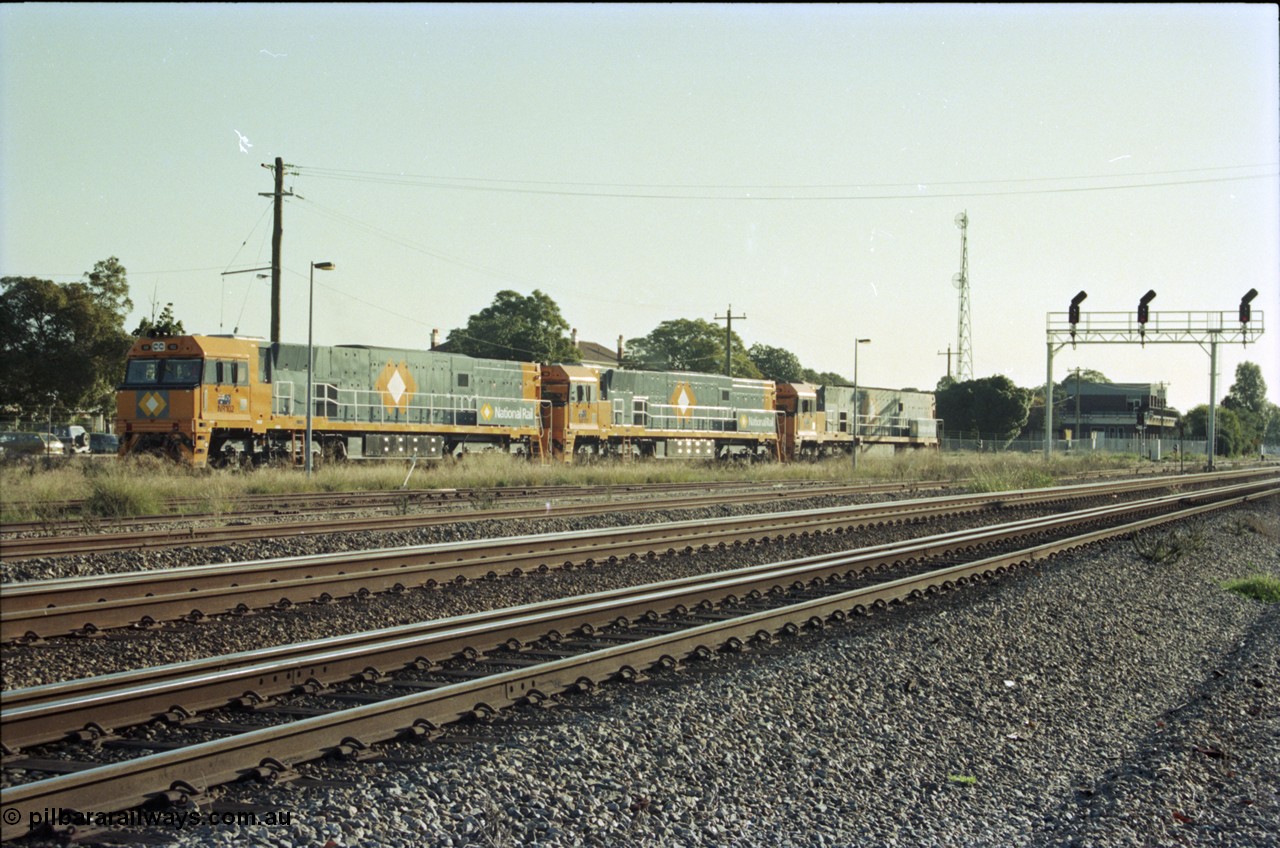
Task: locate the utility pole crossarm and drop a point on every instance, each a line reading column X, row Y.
column 728, row 317
column 277, row 233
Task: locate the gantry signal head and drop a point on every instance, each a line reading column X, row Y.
column 1073, row 313
column 1143, row 308
column 1246, row 311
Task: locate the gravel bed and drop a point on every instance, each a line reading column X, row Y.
column 70, row 658
column 1099, row 700
column 118, row 562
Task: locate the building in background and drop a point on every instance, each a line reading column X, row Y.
column 1114, row 411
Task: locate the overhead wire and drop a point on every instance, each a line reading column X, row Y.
column 911, row 191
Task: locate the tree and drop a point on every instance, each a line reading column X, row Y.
column 1230, row 437
column 1067, row 388
column 776, row 363
column 165, row 325
column 1247, row 398
column 110, row 286
column 688, row 345
column 516, row 327
column 825, row 378
column 988, row 407
column 64, row 345
column 1249, row 391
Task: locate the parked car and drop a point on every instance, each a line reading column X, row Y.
column 103, row 443
column 30, row 444
column 75, row 437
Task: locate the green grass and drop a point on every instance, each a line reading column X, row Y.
column 1260, row 587
column 962, row 779
column 32, row 491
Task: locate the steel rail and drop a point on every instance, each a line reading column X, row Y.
column 294, row 503
column 20, row 548
column 458, row 493
column 30, row 547
column 270, row 501
column 35, row 715
column 179, row 774
column 36, row 609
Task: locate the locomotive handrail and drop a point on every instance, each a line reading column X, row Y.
column 366, row 405
column 874, row 425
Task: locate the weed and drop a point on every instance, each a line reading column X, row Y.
column 1251, row 522
column 962, row 779
column 482, row 501
column 1260, row 587
column 120, row 496
column 1167, row 548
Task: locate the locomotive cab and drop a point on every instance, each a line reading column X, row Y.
column 580, row 417
column 174, row 388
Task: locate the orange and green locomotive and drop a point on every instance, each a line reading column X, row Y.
column 222, row 400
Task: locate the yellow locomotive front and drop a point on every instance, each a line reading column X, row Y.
column 178, row 390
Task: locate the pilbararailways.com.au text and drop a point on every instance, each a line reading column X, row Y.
column 172, row 819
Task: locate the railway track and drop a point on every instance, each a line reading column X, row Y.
column 43, row 608
column 475, row 665
column 251, row 506
column 17, row 548
column 247, row 507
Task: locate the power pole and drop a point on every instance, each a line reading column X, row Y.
column 728, row 338
column 1077, row 433
column 947, row 354
column 964, row 328
column 276, row 233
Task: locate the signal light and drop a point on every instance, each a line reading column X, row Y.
column 1073, row 312
column 1246, row 311
column 1143, row 308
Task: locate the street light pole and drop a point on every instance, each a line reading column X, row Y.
column 311, row 359
column 856, row 425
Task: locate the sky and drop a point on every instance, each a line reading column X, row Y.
column 802, row 165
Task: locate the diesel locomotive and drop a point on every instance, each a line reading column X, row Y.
column 223, row 400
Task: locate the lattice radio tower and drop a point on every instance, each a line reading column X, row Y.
column 964, row 331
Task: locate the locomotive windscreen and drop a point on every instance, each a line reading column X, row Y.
column 163, row 372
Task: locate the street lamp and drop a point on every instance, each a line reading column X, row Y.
column 311, row 360
column 855, row 399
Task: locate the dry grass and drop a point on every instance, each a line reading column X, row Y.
column 143, row 485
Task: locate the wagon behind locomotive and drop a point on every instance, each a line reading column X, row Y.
column 819, row 420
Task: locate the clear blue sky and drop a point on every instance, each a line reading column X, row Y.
column 645, row 163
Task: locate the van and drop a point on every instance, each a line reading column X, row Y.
column 103, row 443
column 74, row 437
